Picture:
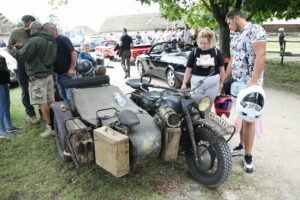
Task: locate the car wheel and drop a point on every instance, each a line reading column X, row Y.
column 140, row 68
column 171, row 79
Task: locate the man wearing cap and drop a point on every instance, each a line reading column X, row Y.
column 39, row 54
column 65, row 62
column 17, row 39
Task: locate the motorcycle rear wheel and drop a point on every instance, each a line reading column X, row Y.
column 216, row 164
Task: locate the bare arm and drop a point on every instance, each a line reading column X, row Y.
column 222, row 77
column 259, row 49
column 229, row 68
column 120, row 43
column 187, row 75
column 73, row 55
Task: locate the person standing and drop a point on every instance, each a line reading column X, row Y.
column 246, row 65
column 39, row 54
column 186, row 35
column 6, row 126
column 2, row 43
column 17, row 39
column 138, row 38
column 281, row 37
column 125, row 44
column 65, row 62
column 205, row 60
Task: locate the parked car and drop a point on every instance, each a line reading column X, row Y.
column 94, row 42
column 163, row 60
column 135, row 51
column 11, row 65
column 104, row 48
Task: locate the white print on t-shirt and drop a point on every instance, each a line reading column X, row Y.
column 205, row 61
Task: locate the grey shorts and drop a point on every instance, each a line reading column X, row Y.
column 41, row 91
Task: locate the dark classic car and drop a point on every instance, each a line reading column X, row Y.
column 163, row 60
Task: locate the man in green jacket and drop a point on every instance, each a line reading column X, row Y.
column 39, row 54
column 17, row 39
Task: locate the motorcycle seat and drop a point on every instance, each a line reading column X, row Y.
column 128, row 118
column 88, row 100
column 135, row 83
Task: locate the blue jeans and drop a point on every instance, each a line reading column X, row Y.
column 66, row 94
column 4, row 107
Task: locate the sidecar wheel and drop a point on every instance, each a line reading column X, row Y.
column 88, row 81
column 60, row 152
column 215, row 164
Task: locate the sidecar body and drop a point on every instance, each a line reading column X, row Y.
column 94, row 106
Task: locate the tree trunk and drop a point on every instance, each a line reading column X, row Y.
column 225, row 38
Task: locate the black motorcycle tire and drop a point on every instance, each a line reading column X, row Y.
column 88, row 81
column 220, row 151
column 60, row 152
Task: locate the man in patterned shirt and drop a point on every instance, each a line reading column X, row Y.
column 248, row 51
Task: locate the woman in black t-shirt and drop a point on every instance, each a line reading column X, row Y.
column 205, row 60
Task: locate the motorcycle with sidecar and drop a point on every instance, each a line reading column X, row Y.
column 186, row 125
column 97, row 128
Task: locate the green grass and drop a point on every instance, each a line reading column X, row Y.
column 30, row 168
column 286, row 77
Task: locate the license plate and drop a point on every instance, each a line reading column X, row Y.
column 218, row 119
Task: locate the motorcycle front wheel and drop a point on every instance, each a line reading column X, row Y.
column 214, row 165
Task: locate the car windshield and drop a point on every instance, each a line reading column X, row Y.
column 96, row 41
column 110, row 43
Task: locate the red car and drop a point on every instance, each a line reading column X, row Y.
column 105, row 47
column 135, row 51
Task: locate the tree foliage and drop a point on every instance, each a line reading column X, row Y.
column 201, row 13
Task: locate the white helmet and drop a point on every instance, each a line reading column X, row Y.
column 250, row 103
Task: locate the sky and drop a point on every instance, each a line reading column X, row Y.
column 76, row 13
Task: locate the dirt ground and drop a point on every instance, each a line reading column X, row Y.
column 276, row 154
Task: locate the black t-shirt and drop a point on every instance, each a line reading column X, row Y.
column 126, row 40
column 201, row 61
column 63, row 57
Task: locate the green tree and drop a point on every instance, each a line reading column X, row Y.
column 201, row 13
column 54, row 19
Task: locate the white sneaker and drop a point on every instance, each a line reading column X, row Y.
column 238, row 151
column 48, row 132
column 248, row 164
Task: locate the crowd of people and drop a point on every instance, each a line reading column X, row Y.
column 185, row 36
column 42, row 53
column 44, row 58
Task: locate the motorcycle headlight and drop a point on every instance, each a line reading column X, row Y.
column 204, row 104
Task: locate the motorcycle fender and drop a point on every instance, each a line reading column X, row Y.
column 214, row 125
column 61, row 114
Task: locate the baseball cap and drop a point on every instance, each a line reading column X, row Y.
column 51, row 25
column 35, row 24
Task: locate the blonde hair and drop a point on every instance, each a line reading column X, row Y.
column 85, row 45
column 209, row 35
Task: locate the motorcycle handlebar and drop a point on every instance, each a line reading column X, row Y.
column 161, row 87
